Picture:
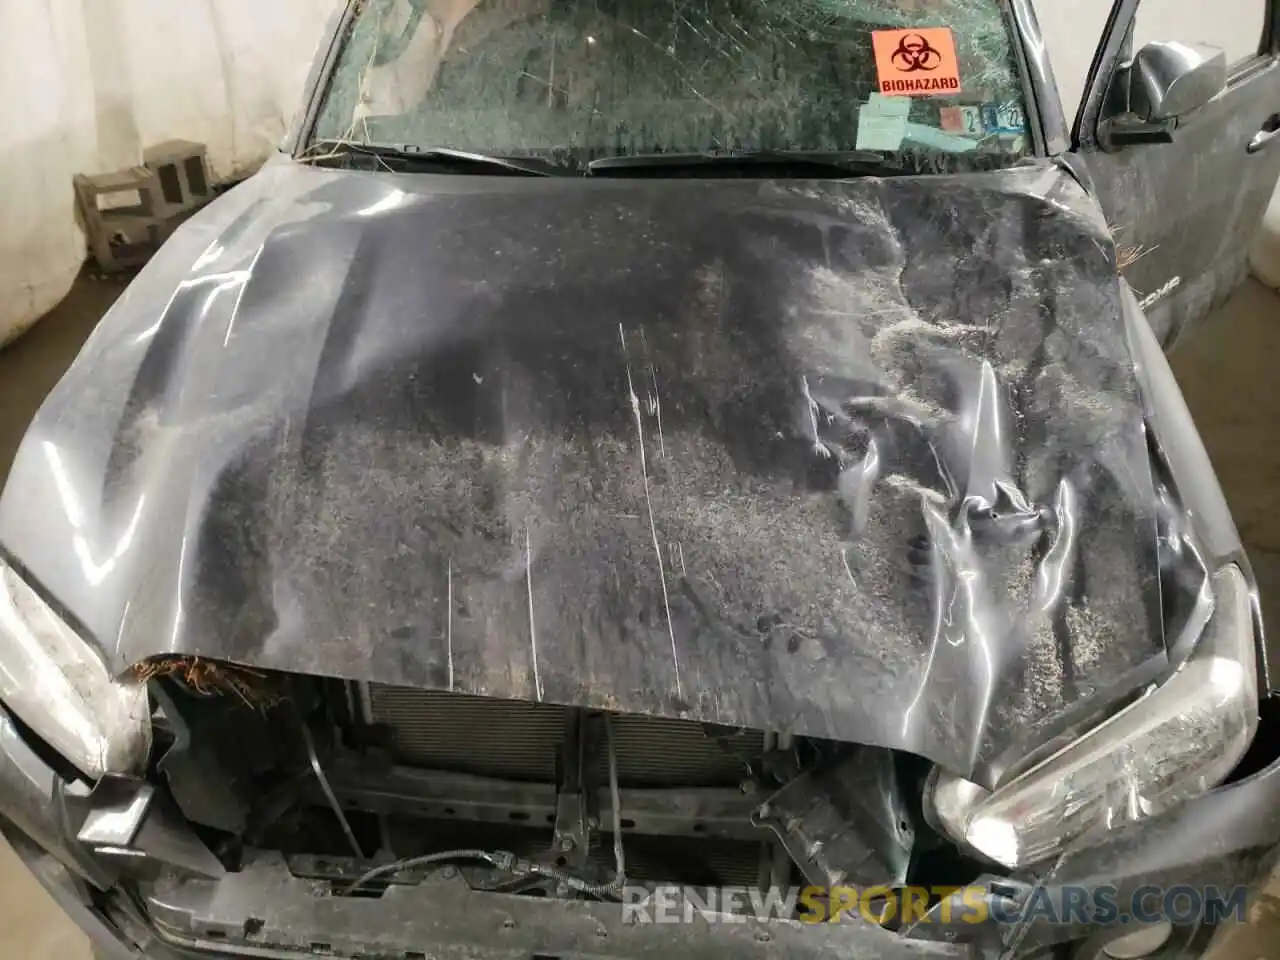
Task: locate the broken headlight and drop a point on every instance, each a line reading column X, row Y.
column 57, row 685
column 1179, row 739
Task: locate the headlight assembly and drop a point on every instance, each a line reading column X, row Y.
column 58, row 685
column 1178, row 740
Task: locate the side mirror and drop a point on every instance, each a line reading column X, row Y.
column 1167, row 80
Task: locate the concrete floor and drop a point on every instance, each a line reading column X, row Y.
column 1228, row 371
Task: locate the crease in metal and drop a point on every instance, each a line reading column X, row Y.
column 533, row 632
column 648, row 502
column 448, row 635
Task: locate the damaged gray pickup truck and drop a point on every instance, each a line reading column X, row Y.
column 651, row 479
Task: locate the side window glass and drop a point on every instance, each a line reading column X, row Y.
column 1236, row 26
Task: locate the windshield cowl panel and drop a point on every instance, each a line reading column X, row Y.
column 927, row 86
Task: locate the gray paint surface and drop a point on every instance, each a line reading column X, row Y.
column 861, row 460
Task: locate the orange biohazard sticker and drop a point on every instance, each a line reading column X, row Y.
column 916, row 62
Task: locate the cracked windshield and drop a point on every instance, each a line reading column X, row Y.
column 913, row 86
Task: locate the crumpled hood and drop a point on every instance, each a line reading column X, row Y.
column 859, row 460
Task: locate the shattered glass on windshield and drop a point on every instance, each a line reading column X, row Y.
column 574, row 81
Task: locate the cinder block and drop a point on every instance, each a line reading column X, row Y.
column 120, row 211
column 128, row 213
column 182, row 172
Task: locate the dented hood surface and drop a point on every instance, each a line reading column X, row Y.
column 861, row 460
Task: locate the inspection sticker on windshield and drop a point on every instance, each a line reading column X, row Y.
column 882, row 123
column 966, row 121
column 916, row 62
column 1009, row 117
column 1004, row 118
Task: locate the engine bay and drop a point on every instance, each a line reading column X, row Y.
column 359, row 789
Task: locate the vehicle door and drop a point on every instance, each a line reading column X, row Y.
column 1182, row 140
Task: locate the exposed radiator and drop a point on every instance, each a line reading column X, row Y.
column 519, row 741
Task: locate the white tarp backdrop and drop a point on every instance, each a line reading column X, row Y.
column 88, row 84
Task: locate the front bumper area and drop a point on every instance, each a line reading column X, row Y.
column 443, row 917
column 1223, row 838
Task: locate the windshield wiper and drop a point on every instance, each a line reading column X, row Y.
column 409, row 157
column 848, row 163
